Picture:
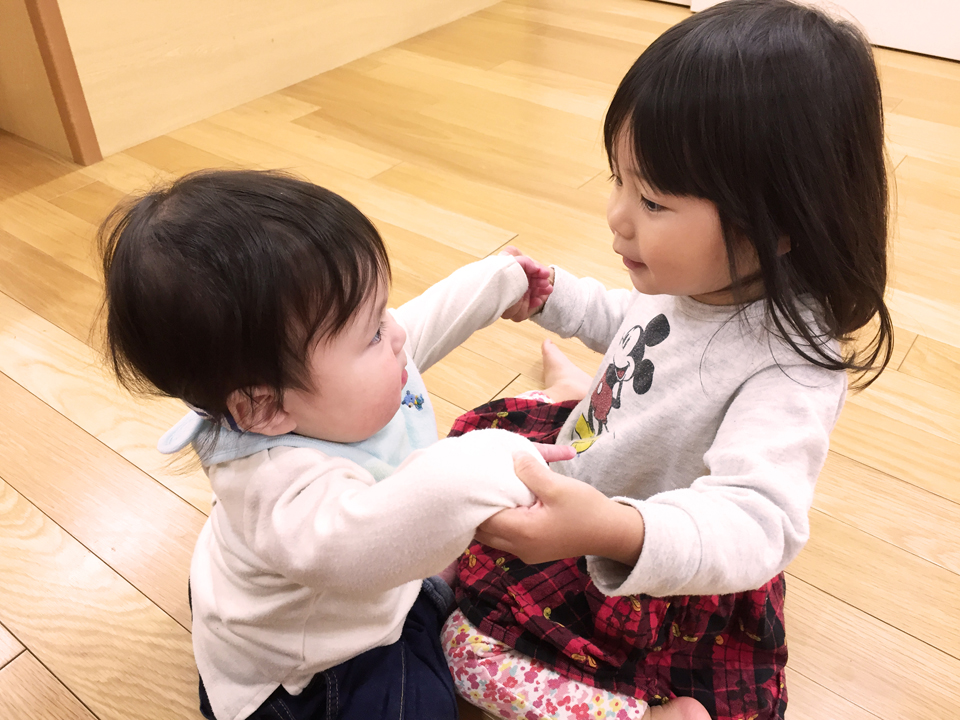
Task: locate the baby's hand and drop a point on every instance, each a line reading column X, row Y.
column 569, row 519
column 539, row 287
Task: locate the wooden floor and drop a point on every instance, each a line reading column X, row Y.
column 457, row 142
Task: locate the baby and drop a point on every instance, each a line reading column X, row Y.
column 260, row 301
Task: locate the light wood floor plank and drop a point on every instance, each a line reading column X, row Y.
column 570, row 232
column 518, row 348
column 568, row 49
column 340, row 154
column 136, row 526
column 666, row 14
column 28, row 690
column 71, row 378
column 466, row 379
column 58, row 233
column 9, row 647
column 595, row 19
column 892, row 585
column 446, row 413
column 59, row 294
column 935, row 362
column 861, row 496
column 91, row 202
column 927, row 185
column 933, row 317
column 899, row 449
column 927, row 96
column 923, row 139
column 24, row 168
column 417, row 262
column 924, row 64
column 127, row 659
column 919, row 403
column 515, row 80
column 381, row 204
column 866, row 661
column 808, row 700
column 555, row 136
column 521, row 384
column 127, row 174
column 354, row 110
column 177, row 158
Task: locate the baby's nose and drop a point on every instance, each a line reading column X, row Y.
column 399, row 338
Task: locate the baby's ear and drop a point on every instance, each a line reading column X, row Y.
column 257, row 409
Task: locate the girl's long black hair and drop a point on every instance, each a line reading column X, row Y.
column 772, row 111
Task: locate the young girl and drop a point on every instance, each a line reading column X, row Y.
column 750, row 210
column 260, row 300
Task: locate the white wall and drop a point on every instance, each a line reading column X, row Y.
column 148, row 67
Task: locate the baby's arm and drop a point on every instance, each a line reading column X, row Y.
column 569, row 519
column 473, row 297
column 332, row 527
column 731, row 530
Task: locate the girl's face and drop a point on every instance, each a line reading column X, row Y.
column 357, row 376
column 670, row 244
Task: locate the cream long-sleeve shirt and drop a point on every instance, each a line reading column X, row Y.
column 307, row 560
column 707, row 423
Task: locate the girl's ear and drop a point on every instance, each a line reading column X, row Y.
column 256, row 409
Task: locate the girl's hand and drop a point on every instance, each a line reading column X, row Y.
column 555, row 453
column 569, row 519
column 540, row 285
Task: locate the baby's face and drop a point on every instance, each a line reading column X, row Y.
column 357, row 378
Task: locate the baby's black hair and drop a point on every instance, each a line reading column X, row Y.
column 772, row 111
column 222, row 280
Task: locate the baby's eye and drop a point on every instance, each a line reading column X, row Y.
column 379, row 335
column 650, row 204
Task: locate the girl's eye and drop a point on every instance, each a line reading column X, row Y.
column 650, row 205
column 616, row 179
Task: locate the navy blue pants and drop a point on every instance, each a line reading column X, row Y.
column 408, row 680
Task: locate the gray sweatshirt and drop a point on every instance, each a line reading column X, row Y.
column 707, row 423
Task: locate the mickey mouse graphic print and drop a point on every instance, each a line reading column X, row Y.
column 628, row 369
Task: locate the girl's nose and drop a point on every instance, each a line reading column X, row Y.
column 617, row 215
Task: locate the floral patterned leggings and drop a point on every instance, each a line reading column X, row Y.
column 512, row 686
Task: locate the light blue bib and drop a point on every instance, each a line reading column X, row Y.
column 414, row 427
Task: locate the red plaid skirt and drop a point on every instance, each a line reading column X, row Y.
column 727, row 651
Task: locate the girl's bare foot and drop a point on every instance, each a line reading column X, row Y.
column 678, row 709
column 681, row 708
column 563, row 379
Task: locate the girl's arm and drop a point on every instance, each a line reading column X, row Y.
column 449, row 312
column 731, row 530
column 584, row 308
column 322, row 522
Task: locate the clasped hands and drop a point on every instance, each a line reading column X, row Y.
column 570, row 518
column 539, row 287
